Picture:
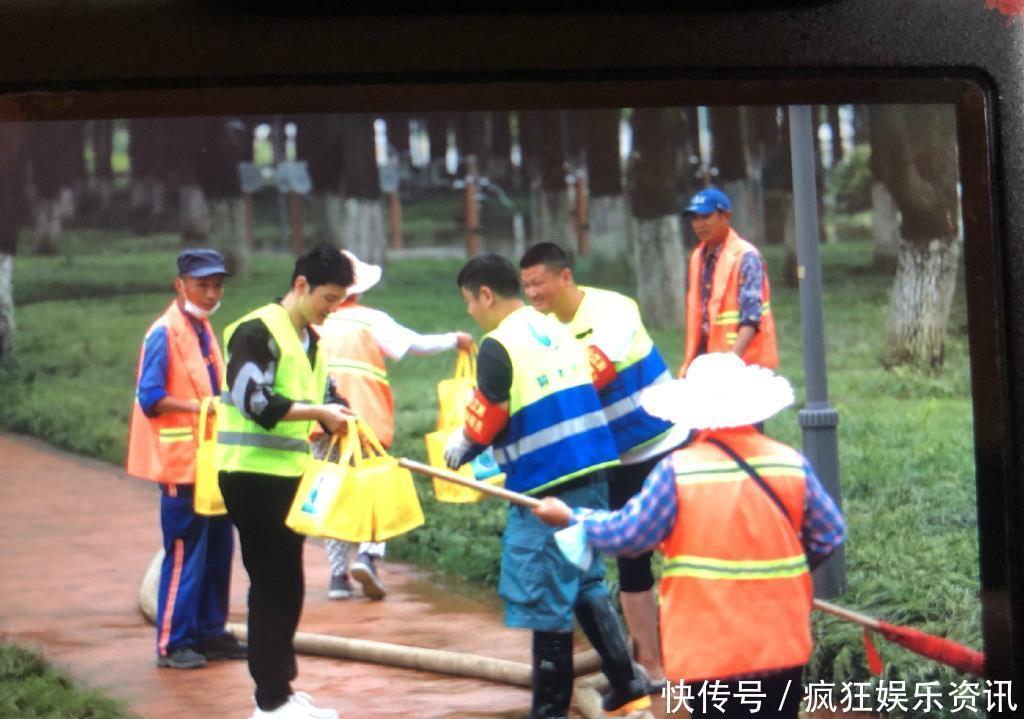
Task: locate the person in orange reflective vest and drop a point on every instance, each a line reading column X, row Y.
column 179, row 365
column 728, row 297
column 356, row 339
column 742, row 520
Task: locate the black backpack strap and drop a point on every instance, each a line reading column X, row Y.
column 745, row 466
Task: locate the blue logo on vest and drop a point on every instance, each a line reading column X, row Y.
column 540, row 337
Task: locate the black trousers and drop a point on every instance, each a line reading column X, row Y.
column 272, row 555
column 624, row 481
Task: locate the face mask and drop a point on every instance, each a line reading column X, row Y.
column 199, row 311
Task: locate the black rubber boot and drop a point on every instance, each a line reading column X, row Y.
column 552, row 675
column 627, row 679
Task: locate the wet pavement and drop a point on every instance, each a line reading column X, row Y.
column 77, row 537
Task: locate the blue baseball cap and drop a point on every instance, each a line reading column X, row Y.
column 707, row 201
column 201, row 263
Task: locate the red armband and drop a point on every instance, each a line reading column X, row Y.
column 602, row 371
column 484, row 419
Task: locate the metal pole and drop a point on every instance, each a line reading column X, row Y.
column 818, row 418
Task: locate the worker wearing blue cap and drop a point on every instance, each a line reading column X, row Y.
column 728, row 297
column 179, row 366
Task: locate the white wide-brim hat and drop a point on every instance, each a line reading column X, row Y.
column 719, row 391
column 364, row 274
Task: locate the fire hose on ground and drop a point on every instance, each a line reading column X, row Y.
column 586, row 693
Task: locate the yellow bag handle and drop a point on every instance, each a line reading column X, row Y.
column 366, row 443
column 348, row 444
column 204, row 412
column 465, row 363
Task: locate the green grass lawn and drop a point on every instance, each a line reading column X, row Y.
column 905, row 439
column 32, row 689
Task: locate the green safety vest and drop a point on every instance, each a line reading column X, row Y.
column 638, row 369
column 556, row 428
column 245, row 446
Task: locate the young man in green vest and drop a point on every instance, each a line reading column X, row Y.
column 536, row 405
column 276, row 387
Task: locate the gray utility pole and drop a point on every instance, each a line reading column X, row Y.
column 818, row 418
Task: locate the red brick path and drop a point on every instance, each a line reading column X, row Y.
column 76, row 537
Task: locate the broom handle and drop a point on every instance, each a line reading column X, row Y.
column 847, row 614
column 449, row 476
column 525, row 501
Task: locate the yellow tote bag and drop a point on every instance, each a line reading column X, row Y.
column 207, row 499
column 363, row 496
column 395, row 504
column 317, row 505
column 454, row 393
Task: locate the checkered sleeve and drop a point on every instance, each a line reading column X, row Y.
column 823, row 528
column 751, row 282
column 642, row 524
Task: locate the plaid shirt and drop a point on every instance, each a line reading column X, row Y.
column 751, row 280
column 648, row 518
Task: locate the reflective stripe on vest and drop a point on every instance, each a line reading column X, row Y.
column 639, row 368
column 172, row 434
column 245, row 446
column 360, row 369
column 711, row 568
column 556, row 429
column 723, row 306
column 356, row 364
column 735, row 590
column 163, row 448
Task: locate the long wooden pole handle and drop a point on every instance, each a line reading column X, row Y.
column 489, row 489
column 843, row 613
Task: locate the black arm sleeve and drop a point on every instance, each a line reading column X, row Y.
column 494, row 371
column 252, row 362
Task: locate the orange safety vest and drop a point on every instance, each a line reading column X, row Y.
column 356, row 364
column 724, row 307
column 735, row 590
column 163, row 448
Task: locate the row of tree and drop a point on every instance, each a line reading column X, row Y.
column 634, row 207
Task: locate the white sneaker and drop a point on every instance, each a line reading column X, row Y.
column 314, row 712
column 298, row 706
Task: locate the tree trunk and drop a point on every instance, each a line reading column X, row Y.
column 56, row 154
column 437, row 135
column 101, row 183
column 608, row 214
column 196, row 215
column 500, row 162
column 914, row 154
column 227, row 233
column 609, row 229
column 658, row 249
column 922, row 294
column 885, row 229
column 13, row 179
column 552, row 202
column 732, row 157
column 832, row 112
column 48, row 216
column 469, row 139
column 363, row 229
column 6, row 304
column 328, row 214
column 661, row 272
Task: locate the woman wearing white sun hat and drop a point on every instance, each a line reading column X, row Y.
column 356, row 339
column 742, row 520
